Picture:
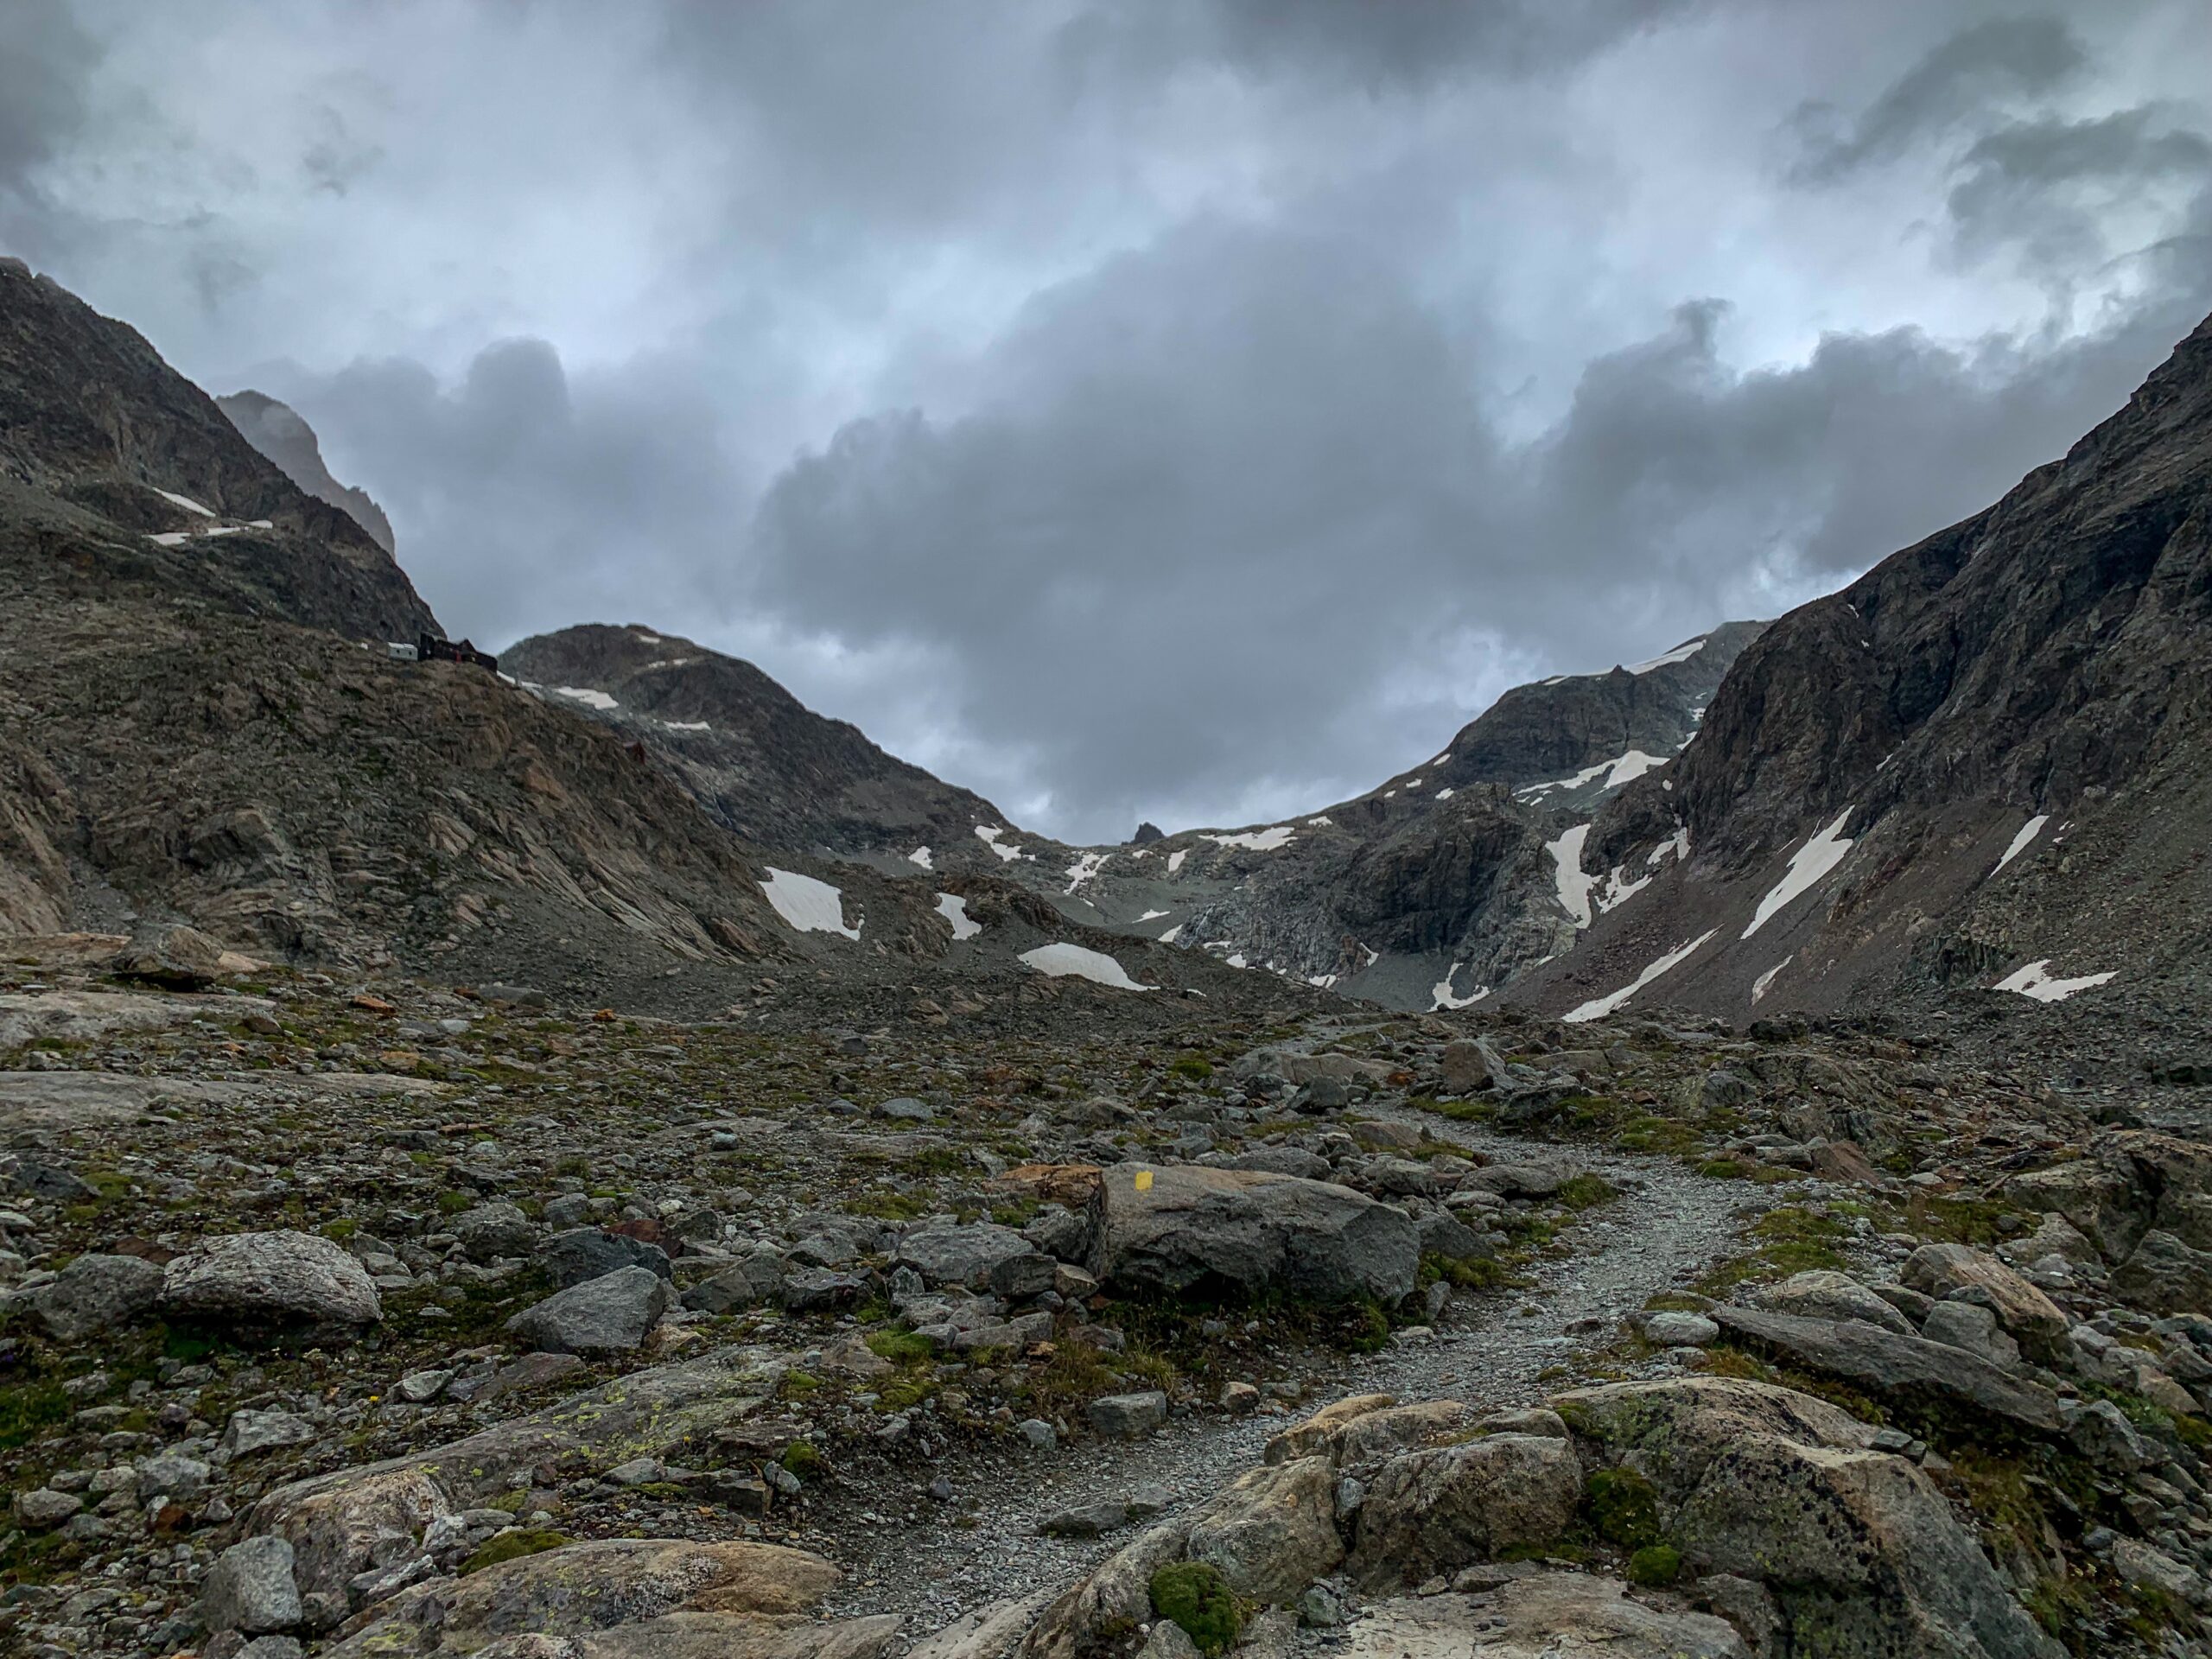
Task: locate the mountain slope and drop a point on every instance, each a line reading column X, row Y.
column 761, row 762
column 1437, row 883
column 1987, row 753
column 111, row 459
column 278, row 432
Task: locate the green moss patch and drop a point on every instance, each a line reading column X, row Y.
column 1195, row 1596
column 511, row 1545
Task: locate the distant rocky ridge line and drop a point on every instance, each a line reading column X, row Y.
column 278, row 432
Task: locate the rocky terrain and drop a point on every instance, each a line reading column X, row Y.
column 360, row 1315
column 535, row 1165
column 1434, row 887
column 1982, row 763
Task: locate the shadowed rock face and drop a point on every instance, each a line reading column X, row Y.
column 762, row 763
column 2040, row 671
column 278, row 431
column 97, row 435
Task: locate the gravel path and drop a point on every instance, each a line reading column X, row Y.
column 1668, row 1227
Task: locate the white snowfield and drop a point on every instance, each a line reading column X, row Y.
column 585, row 694
column 1598, row 1008
column 1065, row 961
column 2035, row 981
column 807, row 906
column 988, row 834
column 2029, row 831
column 1253, row 841
column 1447, row 998
column 687, row 725
column 1680, row 653
column 954, row 909
column 1573, row 887
column 1175, row 859
column 1621, row 769
column 1086, row 865
column 1152, row 915
column 186, row 502
column 919, row 857
column 1807, row 866
column 1171, row 934
column 1764, row 982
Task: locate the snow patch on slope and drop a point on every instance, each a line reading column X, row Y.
column 186, row 502
column 1447, row 998
column 807, row 906
column 1680, row 653
column 1807, row 866
column 2035, row 981
column 1086, row 865
column 586, row 695
column 1065, row 961
column 1598, row 1008
column 1621, row 769
column 2029, row 831
column 1255, row 840
column 988, row 834
column 954, row 909
column 1573, row 887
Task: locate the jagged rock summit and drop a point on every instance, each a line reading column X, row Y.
column 277, row 430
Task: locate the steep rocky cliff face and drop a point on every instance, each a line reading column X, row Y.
column 278, row 431
column 114, row 463
column 1980, row 764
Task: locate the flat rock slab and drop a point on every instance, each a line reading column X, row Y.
column 64, row 1100
column 1885, row 1362
column 1551, row 1616
column 87, row 1016
column 665, row 1412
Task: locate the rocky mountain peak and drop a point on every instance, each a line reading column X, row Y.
column 279, row 432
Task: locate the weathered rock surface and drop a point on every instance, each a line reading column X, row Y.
column 1438, row 1511
column 1548, row 1616
column 271, row 1283
column 1178, row 1227
column 611, row 1314
column 1883, row 1361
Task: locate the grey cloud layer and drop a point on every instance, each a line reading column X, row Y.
column 1185, row 409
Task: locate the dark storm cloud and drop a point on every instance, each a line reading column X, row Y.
column 1954, row 86
column 1179, row 407
column 46, row 60
column 2047, row 188
column 1404, row 43
column 1222, row 495
column 531, row 495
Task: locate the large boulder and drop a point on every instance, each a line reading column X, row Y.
column 1962, row 1272
column 250, row 1589
column 1824, row 1294
column 1367, row 1436
column 1547, row 1616
column 733, row 1592
column 1911, row 1368
column 1107, row 1602
column 340, row 1522
column 1861, row 1554
column 271, row 1284
column 583, row 1253
column 1184, row 1227
column 1272, row 1532
column 610, row 1314
column 2165, row 1275
column 491, row 1231
column 96, row 1293
column 1435, row 1511
column 981, row 1257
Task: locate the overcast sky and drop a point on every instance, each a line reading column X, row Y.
column 1193, row 410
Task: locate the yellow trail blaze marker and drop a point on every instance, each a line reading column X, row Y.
column 1144, row 1180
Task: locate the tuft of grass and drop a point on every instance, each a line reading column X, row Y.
column 1195, row 1067
column 899, row 1347
column 513, row 1546
column 1623, row 1508
column 1194, row 1595
column 1587, row 1191
column 1655, row 1565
